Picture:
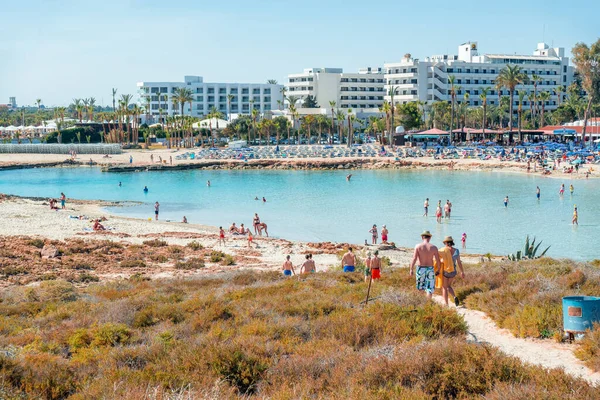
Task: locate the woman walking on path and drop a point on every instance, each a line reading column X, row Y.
column 450, row 260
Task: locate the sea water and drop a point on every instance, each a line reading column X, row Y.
column 324, row 206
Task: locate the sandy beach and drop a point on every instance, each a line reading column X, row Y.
column 142, row 160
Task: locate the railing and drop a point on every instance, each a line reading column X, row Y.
column 45, row 148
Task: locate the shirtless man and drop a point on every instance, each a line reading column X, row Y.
column 348, row 261
column 426, row 206
column 98, row 226
column 243, row 230
column 233, row 229
column 375, row 266
column 308, row 266
column 425, row 253
column 447, row 209
column 262, row 226
column 287, row 267
column 384, row 234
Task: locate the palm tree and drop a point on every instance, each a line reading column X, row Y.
column 124, row 102
column 309, row 120
column 332, row 105
column 90, row 108
column 532, row 102
column 292, row 100
column 560, row 89
column 544, row 97
column 483, row 96
column 230, row 97
column 535, row 79
column 272, row 82
column 340, row 116
column 114, row 93
column 386, row 108
column 254, row 114
column 511, row 76
column 351, row 120
column 283, row 91
column 39, row 103
column 391, row 92
column 182, row 96
column 521, row 94
column 322, row 122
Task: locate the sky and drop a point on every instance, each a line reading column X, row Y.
column 57, row 50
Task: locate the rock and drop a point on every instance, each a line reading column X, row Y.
column 49, row 252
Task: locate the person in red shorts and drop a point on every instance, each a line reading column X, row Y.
column 384, row 235
column 375, row 266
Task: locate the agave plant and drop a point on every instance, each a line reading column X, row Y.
column 529, row 252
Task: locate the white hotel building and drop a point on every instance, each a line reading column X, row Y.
column 246, row 96
column 359, row 91
column 427, row 80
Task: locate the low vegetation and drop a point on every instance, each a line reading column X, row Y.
column 252, row 335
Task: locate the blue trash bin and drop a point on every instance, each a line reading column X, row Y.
column 580, row 313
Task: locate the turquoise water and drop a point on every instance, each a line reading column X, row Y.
column 323, row 206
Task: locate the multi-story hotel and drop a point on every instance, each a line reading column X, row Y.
column 427, row 80
column 359, row 91
column 246, row 96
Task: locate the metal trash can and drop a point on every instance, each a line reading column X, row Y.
column 580, row 313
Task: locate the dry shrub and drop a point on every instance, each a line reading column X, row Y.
column 133, row 264
column 155, row 243
column 589, row 348
column 240, row 368
column 110, row 334
column 47, row 376
column 190, row 264
column 38, row 243
column 195, row 245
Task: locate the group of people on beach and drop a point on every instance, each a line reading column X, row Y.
column 444, row 211
column 307, row 267
column 375, row 234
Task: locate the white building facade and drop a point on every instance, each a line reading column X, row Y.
column 263, row 97
column 357, row 91
column 427, row 80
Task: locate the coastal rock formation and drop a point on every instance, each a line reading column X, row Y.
column 49, row 251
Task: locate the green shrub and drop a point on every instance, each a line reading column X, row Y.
column 216, row 256
column 39, row 243
column 79, row 339
column 241, row 370
column 195, row 246
column 14, row 270
column 111, row 334
column 589, row 348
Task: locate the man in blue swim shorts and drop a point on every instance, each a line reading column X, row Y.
column 288, row 268
column 425, row 254
column 348, row 261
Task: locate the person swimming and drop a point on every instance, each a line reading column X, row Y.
column 145, row 189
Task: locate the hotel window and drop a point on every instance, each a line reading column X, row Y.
column 233, row 91
column 256, row 91
column 267, row 91
column 244, row 99
column 154, row 90
column 154, row 98
column 200, row 90
column 211, row 90
column 245, row 90
column 200, row 107
column 199, row 98
column 222, row 90
column 211, row 98
column 222, row 99
column 164, row 90
column 267, row 99
column 256, row 98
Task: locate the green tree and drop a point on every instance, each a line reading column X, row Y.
column 410, row 115
column 114, row 93
column 272, row 82
column 453, row 90
column 483, row 96
column 521, row 95
column 587, row 61
column 534, row 79
column 230, row 98
column 310, row 102
column 391, row 92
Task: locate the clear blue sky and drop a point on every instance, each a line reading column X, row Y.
column 57, row 50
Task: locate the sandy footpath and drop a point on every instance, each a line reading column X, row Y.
column 546, row 353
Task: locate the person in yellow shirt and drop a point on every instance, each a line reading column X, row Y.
column 447, row 271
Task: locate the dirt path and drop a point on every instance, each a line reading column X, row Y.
column 545, row 353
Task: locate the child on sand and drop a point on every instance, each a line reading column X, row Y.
column 249, row 238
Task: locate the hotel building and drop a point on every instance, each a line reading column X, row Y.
column 246, row 96
column 427, row 80
column 359, row 91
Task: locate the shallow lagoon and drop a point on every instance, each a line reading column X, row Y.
column 323, row 206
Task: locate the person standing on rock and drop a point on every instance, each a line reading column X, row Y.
column 425, row 254
column 384, row 235
column 374, row 234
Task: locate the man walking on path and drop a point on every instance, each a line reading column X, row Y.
column 425, row 254
column 348, row 261
column 376, row 266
